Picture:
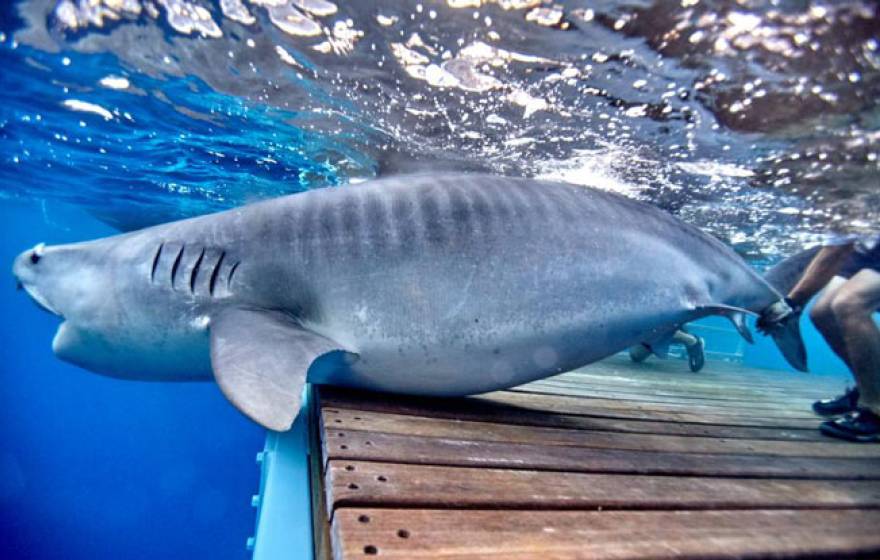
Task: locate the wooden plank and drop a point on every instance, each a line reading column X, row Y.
column 748, row 398
column 571, row 535
column 791, row 409
column 739, row 377
column 367, row 446
column 717, row 392
column 622, row 374
column 707, row 381
column 547, row 405
column 752, row 398
column 583, row 401
column 358, row 483
column 344, row 420
column 574, row 405
column 489, row 410
column 720, row 394
column 731, row 372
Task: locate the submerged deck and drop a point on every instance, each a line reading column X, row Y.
column 614, row 461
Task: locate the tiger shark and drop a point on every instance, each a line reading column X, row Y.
column 443, row 284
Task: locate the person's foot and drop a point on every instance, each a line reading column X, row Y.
column 846, row 402
column 639, row 353
column 696, row 356
column 862, row 426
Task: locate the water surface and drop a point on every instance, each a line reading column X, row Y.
column 756, row 120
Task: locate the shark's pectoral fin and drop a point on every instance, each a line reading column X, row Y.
column 260, row 360
column 737, row 316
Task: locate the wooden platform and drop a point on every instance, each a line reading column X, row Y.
column 614, row 461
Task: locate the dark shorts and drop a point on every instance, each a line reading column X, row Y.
column 861, row 260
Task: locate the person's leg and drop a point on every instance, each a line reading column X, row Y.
column 694, row 346
column 684, row 338
column 853, row 306
column 823, row 318
column 639, row 353
column 825, row 321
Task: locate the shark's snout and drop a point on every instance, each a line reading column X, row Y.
column 25, row 268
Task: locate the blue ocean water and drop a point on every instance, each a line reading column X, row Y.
column 94, row 467
column 756, row 121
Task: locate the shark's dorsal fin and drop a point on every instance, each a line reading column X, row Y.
column 261, row 359
column 737, row 316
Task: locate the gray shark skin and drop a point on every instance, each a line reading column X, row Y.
column 437, row 284
column 785, row 274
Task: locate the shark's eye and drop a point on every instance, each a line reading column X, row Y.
column 37, row 253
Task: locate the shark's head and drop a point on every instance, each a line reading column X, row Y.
column 65, row 281
column 113, row 322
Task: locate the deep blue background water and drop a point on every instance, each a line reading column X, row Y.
column 94, row 467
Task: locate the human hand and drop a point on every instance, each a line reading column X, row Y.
column 774, row 317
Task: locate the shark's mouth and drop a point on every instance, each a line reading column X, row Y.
column 41, row 301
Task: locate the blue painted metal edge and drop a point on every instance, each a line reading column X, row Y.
column 284, row 503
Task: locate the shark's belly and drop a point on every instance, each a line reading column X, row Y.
column 444, row 371
column 458, row 325
column 486, row 348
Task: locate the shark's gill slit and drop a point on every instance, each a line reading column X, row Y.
column 231, row 273
column 156, row 262
column 215, row 272
column 195, row 272
column 176, row 264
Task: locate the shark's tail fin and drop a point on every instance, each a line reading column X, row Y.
column 786, row 273
column 788, row 339
column 786, row 333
